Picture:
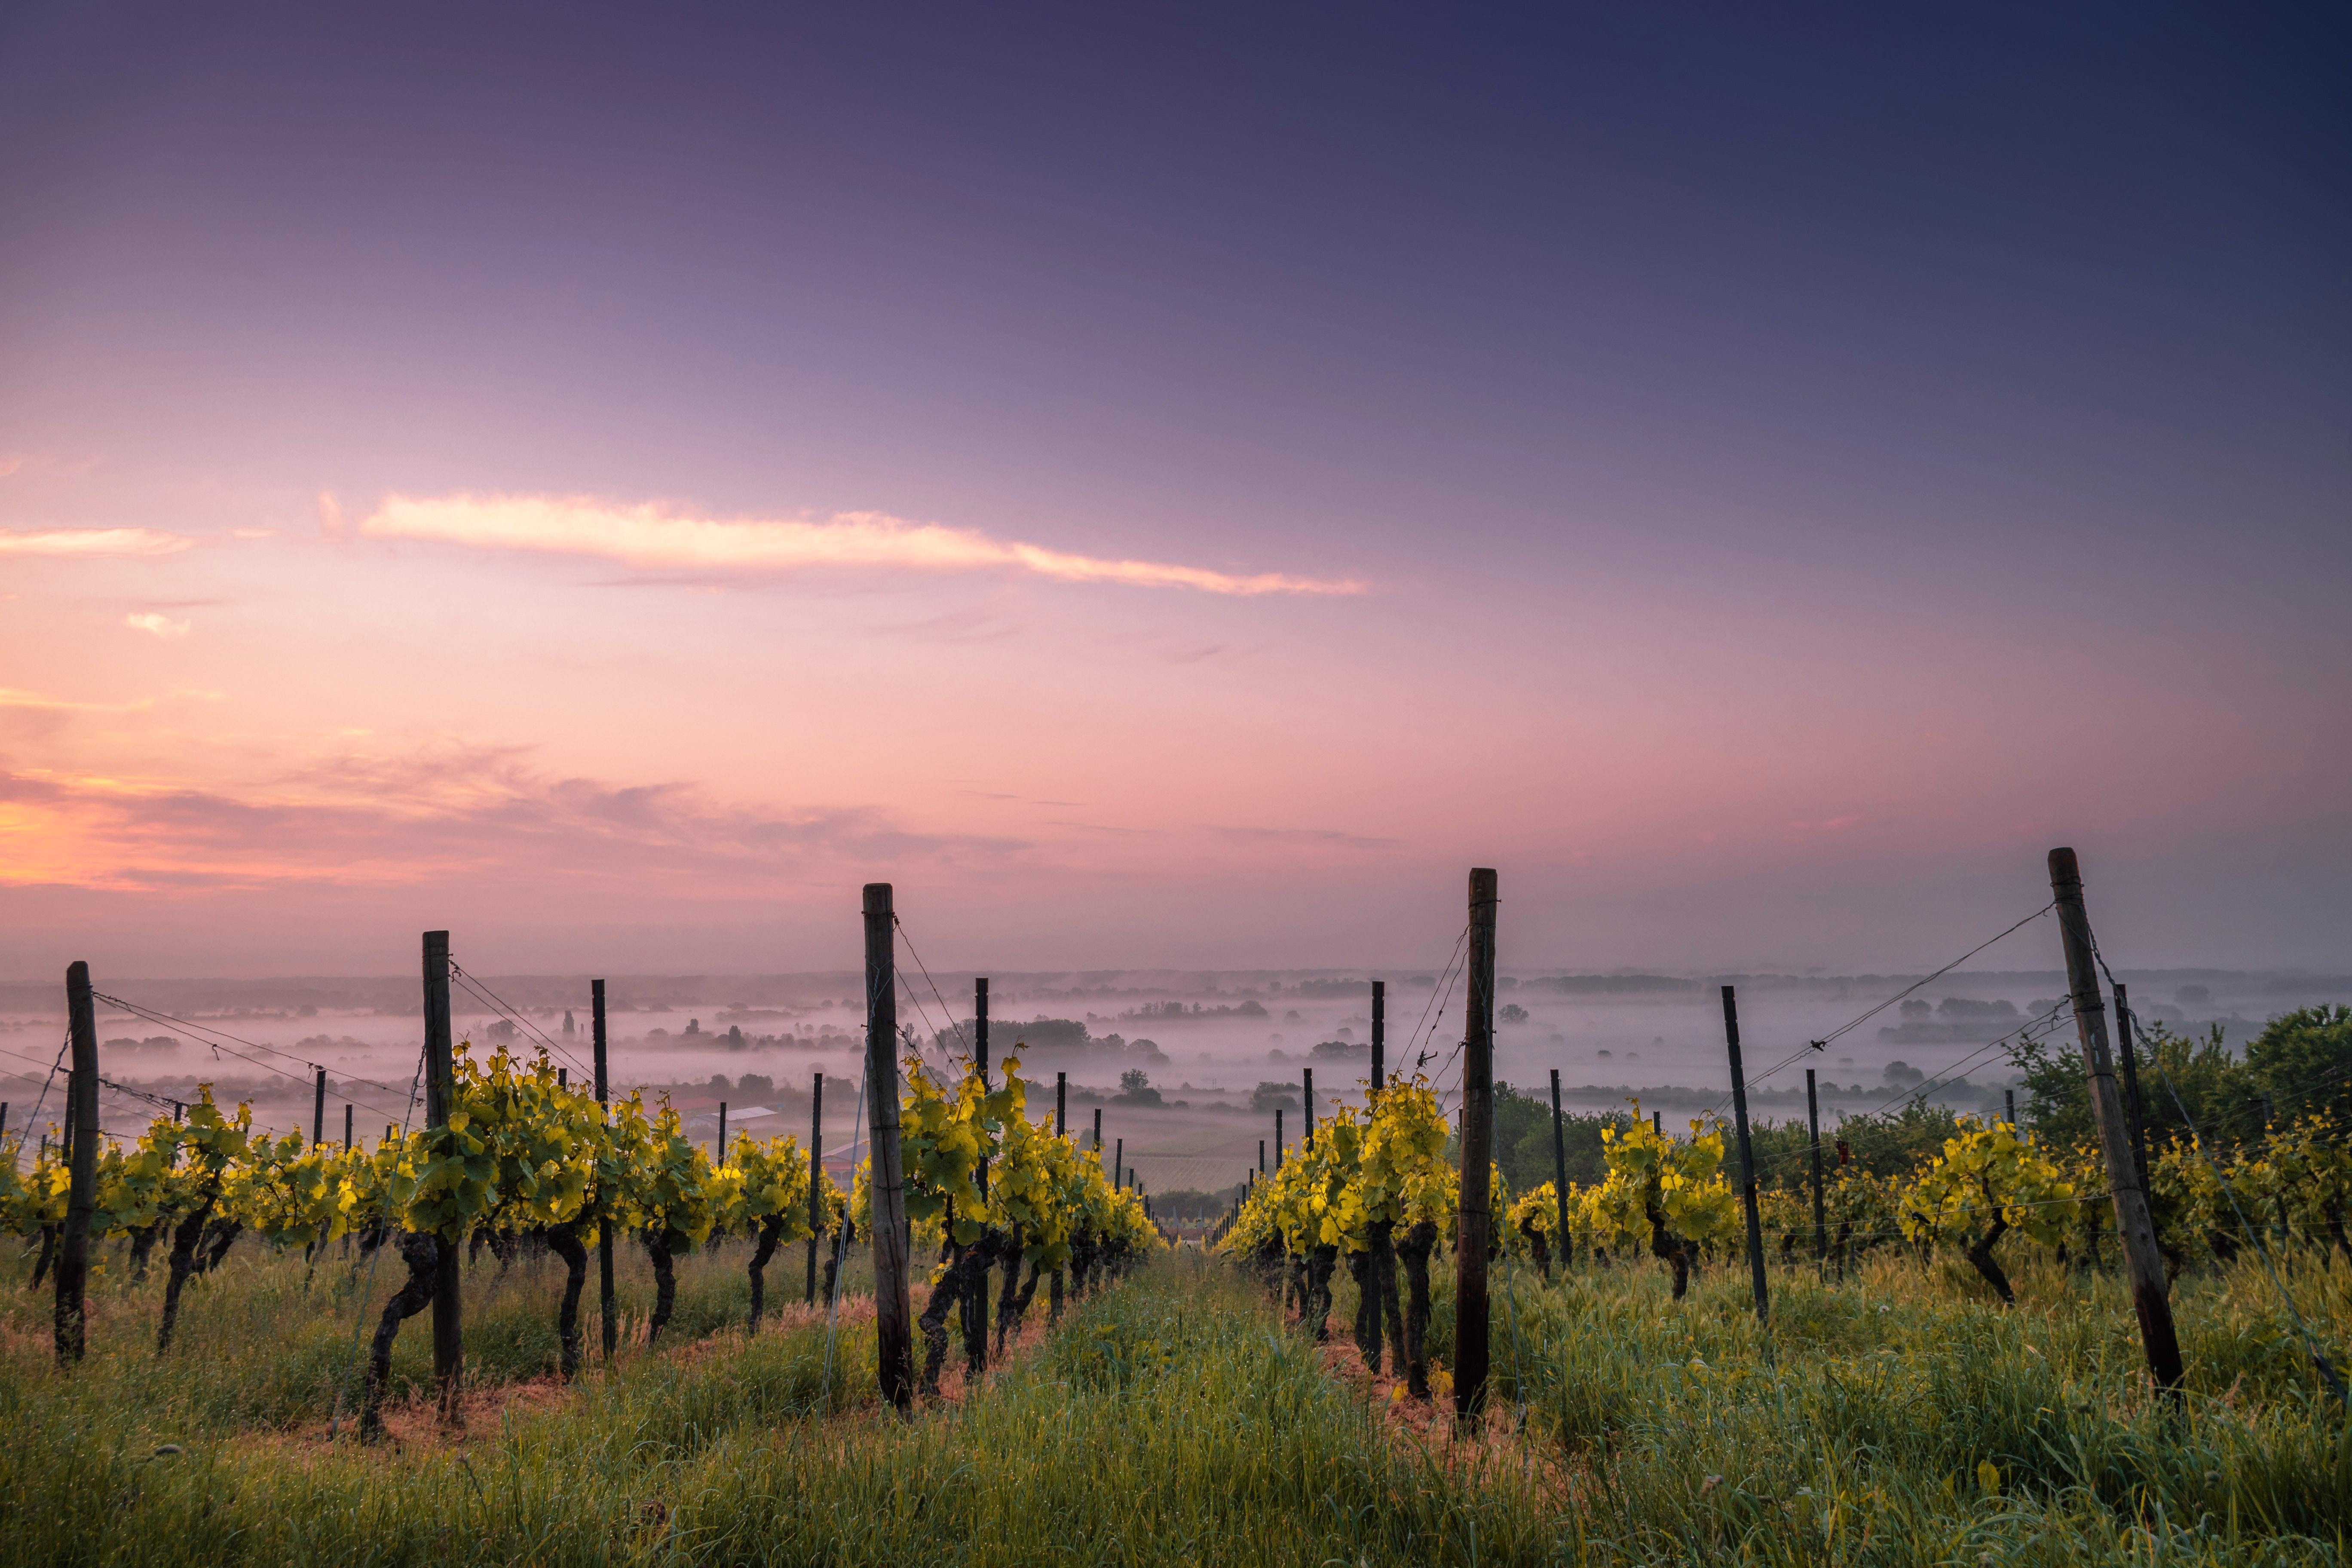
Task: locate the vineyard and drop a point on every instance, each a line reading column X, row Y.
column 1925, row 1337
column 522, row 1161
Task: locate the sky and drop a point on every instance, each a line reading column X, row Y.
column 1170, row 485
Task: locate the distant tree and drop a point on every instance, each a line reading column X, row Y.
column 1135, row 1089
column 1049, row 1035
column 1267, row 1097
column 2214, row 1085
column 2304, row 1058
column 755, row 1083
column 1512, row 1013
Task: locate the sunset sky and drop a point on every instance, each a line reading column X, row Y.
column 1171, row 487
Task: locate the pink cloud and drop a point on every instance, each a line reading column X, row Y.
column 88, row 542
column 647, row 536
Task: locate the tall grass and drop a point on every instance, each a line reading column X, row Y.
column 1906, row 1405
column 1175, row 1418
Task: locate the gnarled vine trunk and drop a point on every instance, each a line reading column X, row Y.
column 1414, row 1250
column 1665, row 1244
column 975, row 1306
column 660, row 1246
column 565, row 1243
column 1979, row 1256
column 771, row 1230
column 1020, row 1308
column 142, row 1242
column 185, row 1238
column 422, row 1254
column 49, row 1253
column 1384, row 1270
column 1368, row 1311
column 954, row 1287
column 1320, row 1262
column 223, row 1235
column 1012, row 1283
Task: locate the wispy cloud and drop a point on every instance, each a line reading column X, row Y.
column 362, row 820
column 70, row 543
column 648, row 536
column 159, row 625
column 13, row 696
column 1304, row 837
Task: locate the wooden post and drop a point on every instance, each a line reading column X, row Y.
column 976, row 1322
column 2143, row 1265
column 893, row 1319
column 318, row 1110
column 1559, row 1169
column 1098, row 1128
column 1657, row 1123
column 1306, row 1093
column 2008, row 1098
column 1061, row 1104
column 1277, row 1138
column 2131, row 1082
column 1477, row 1154
column 1746, row 1155
column 440, row 1098
column 1820, row 1215
column 980, row 1026
column 609, row 1322
column 1380, row 1036
column 81, row 1191
column 1117, row 1163
column 720, row 1158
column 980, row 1065
column 347, row 1127
column 816, row 1178
column 1261, row 1157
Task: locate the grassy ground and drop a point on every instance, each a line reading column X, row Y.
column 1897, row 1419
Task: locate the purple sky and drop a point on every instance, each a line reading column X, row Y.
column 1757, row 482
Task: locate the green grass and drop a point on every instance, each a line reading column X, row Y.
column 1897, row 1419
column 1907, row 1405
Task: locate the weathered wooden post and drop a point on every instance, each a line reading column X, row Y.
column 318, row 1110
column 1379, row 1038
column 893, row 1319
column 976, row 1322
column 1261, row 1157
column 2009, row 1102
column 1477, row 1154
column 2131, row 1082
column 1097, row 1129
column 1117, row 1162
column 2143, row 1264
column 816, row 1179
column 1306, row 1093
column 81, row 1191
column 1277, row 1138
column 347, row 1126
column 440, row 1098
column 609, row 1322
column 1559, row 1171
column 1747, row 1154
column 1820, row 1213
column 1061, row 1104
column 719, row 1156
